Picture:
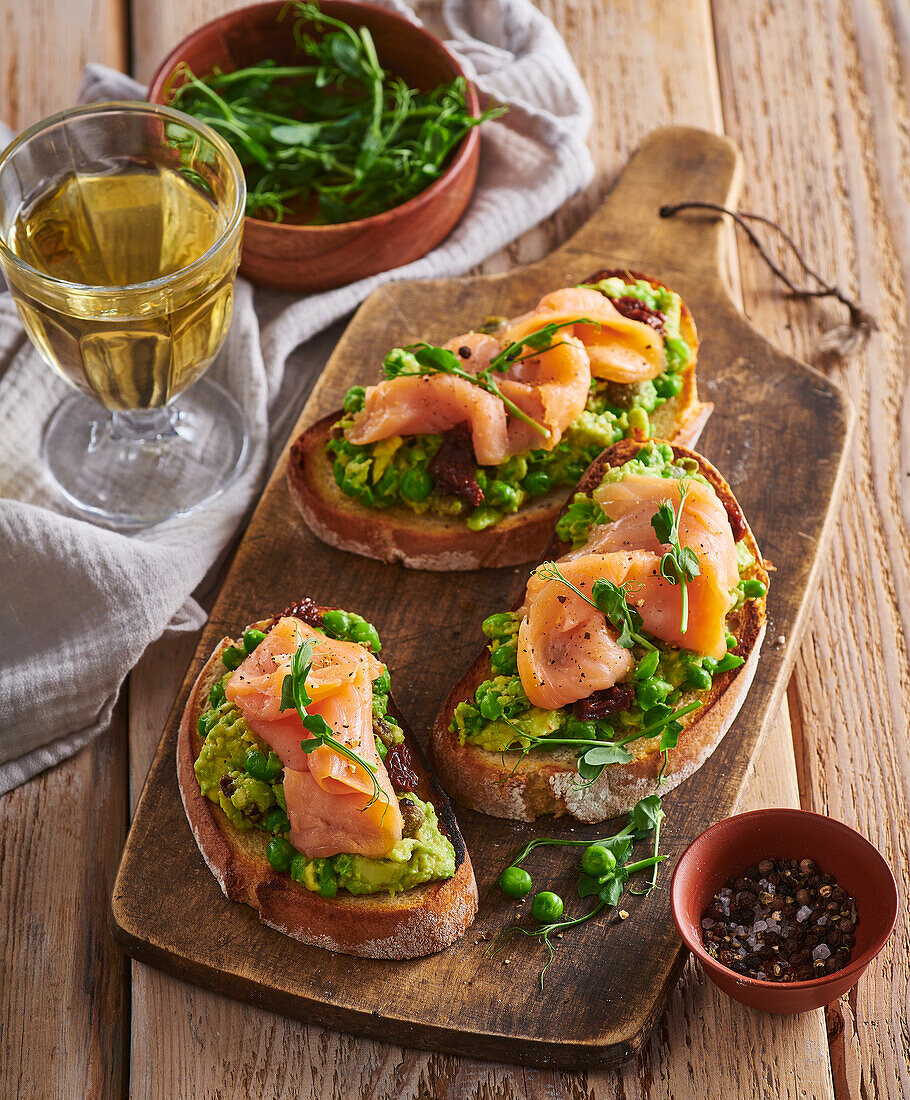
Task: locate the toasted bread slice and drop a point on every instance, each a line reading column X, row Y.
column 416, row 922
column 436, row 542
column 503, row 785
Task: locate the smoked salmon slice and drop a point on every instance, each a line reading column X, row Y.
column 566, row 648
column 620, row 349
column 329, row 798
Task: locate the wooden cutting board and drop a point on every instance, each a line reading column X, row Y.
column 778, row 433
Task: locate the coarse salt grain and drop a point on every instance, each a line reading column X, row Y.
column 823, row 951
column 804, row 913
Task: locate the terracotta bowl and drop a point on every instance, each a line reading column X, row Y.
column 319, row 257
column 729, row 847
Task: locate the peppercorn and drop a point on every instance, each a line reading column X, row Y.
column 753, row 925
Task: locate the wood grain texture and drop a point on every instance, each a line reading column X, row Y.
column 650, row 80
column 278, row 560
column 63, row 988
column 44, row 47
column 825, row 109
column 64, row 995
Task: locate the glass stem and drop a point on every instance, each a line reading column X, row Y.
column 143, row 425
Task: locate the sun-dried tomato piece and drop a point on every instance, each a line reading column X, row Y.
column 636, row 310
column 305, row 610
column 401, row 770
column 603, row 703
column 452, row 467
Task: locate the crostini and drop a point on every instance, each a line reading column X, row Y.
column 462, row 456
column 628, row 655
column 309, row 798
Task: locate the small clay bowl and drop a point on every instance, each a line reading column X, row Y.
column 729, row 847
column 302, row 257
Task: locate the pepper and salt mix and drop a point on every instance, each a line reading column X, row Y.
column 781, row 921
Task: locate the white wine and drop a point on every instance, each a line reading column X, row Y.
column 129, row 348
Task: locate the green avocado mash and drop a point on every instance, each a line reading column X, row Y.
column 395, row 471
column 239, row 773
column 500, row 717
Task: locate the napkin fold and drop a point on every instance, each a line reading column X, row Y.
column 78, row 603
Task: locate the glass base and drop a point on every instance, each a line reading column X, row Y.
column 133, row 469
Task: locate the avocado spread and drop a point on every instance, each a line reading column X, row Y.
column 239, row 773
column 396, row 471
column 500, row 717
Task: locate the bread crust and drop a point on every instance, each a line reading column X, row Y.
column 548, row 783
column 434, row 542
column 419, row 921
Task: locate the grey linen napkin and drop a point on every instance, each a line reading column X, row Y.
column 79, row 604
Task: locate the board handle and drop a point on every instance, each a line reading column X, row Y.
column 673, row 164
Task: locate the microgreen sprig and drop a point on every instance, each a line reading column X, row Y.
column 431, row 359
column 680, row 564
column 336, row 138
column 644, row 818
column 608, row 598
column 294, row 696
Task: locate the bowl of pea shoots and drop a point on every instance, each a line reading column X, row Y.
column 358, row 133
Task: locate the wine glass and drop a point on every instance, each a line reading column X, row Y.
column 120, row 227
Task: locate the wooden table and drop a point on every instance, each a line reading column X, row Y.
column 815, row 93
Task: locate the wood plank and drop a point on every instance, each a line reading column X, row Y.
column 63, row 993
column 651, row 79
column 44, row 48
column 279, row 559
column 838, row 72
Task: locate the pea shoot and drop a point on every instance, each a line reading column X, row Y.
column 680, row 564
column 335, row 138
column 608, row 598
column 605, row 870
column 294, row 696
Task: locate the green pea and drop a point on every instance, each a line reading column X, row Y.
column 216, row 695
column 515, row 882
column 280, row 853
column 336, row 622
column 501, row 494
column 668, row 385
column 366, row 634
column 326, row 879
column 500, row 625
column 651, row 692
column 206, row 720
column 382, row 683
column 678, row 353
column 416, row 484
column 233, row 657
column 338, row 473
column 647, row 666
column 483, row 517
column 252, row 638
column 597, row 860
column 354, row 399
column 753, row 588
column 298, row 866
column 381, row 748
column 728, row 663
column 546, row 907
column 490, row 707
column 255, row 764
column 503, row 660
column 276, row 820
column 709, row 664
column 698, row 677
column 732, row 641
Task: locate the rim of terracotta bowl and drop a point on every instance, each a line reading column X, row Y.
column 462, row 154
column 743, row 822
